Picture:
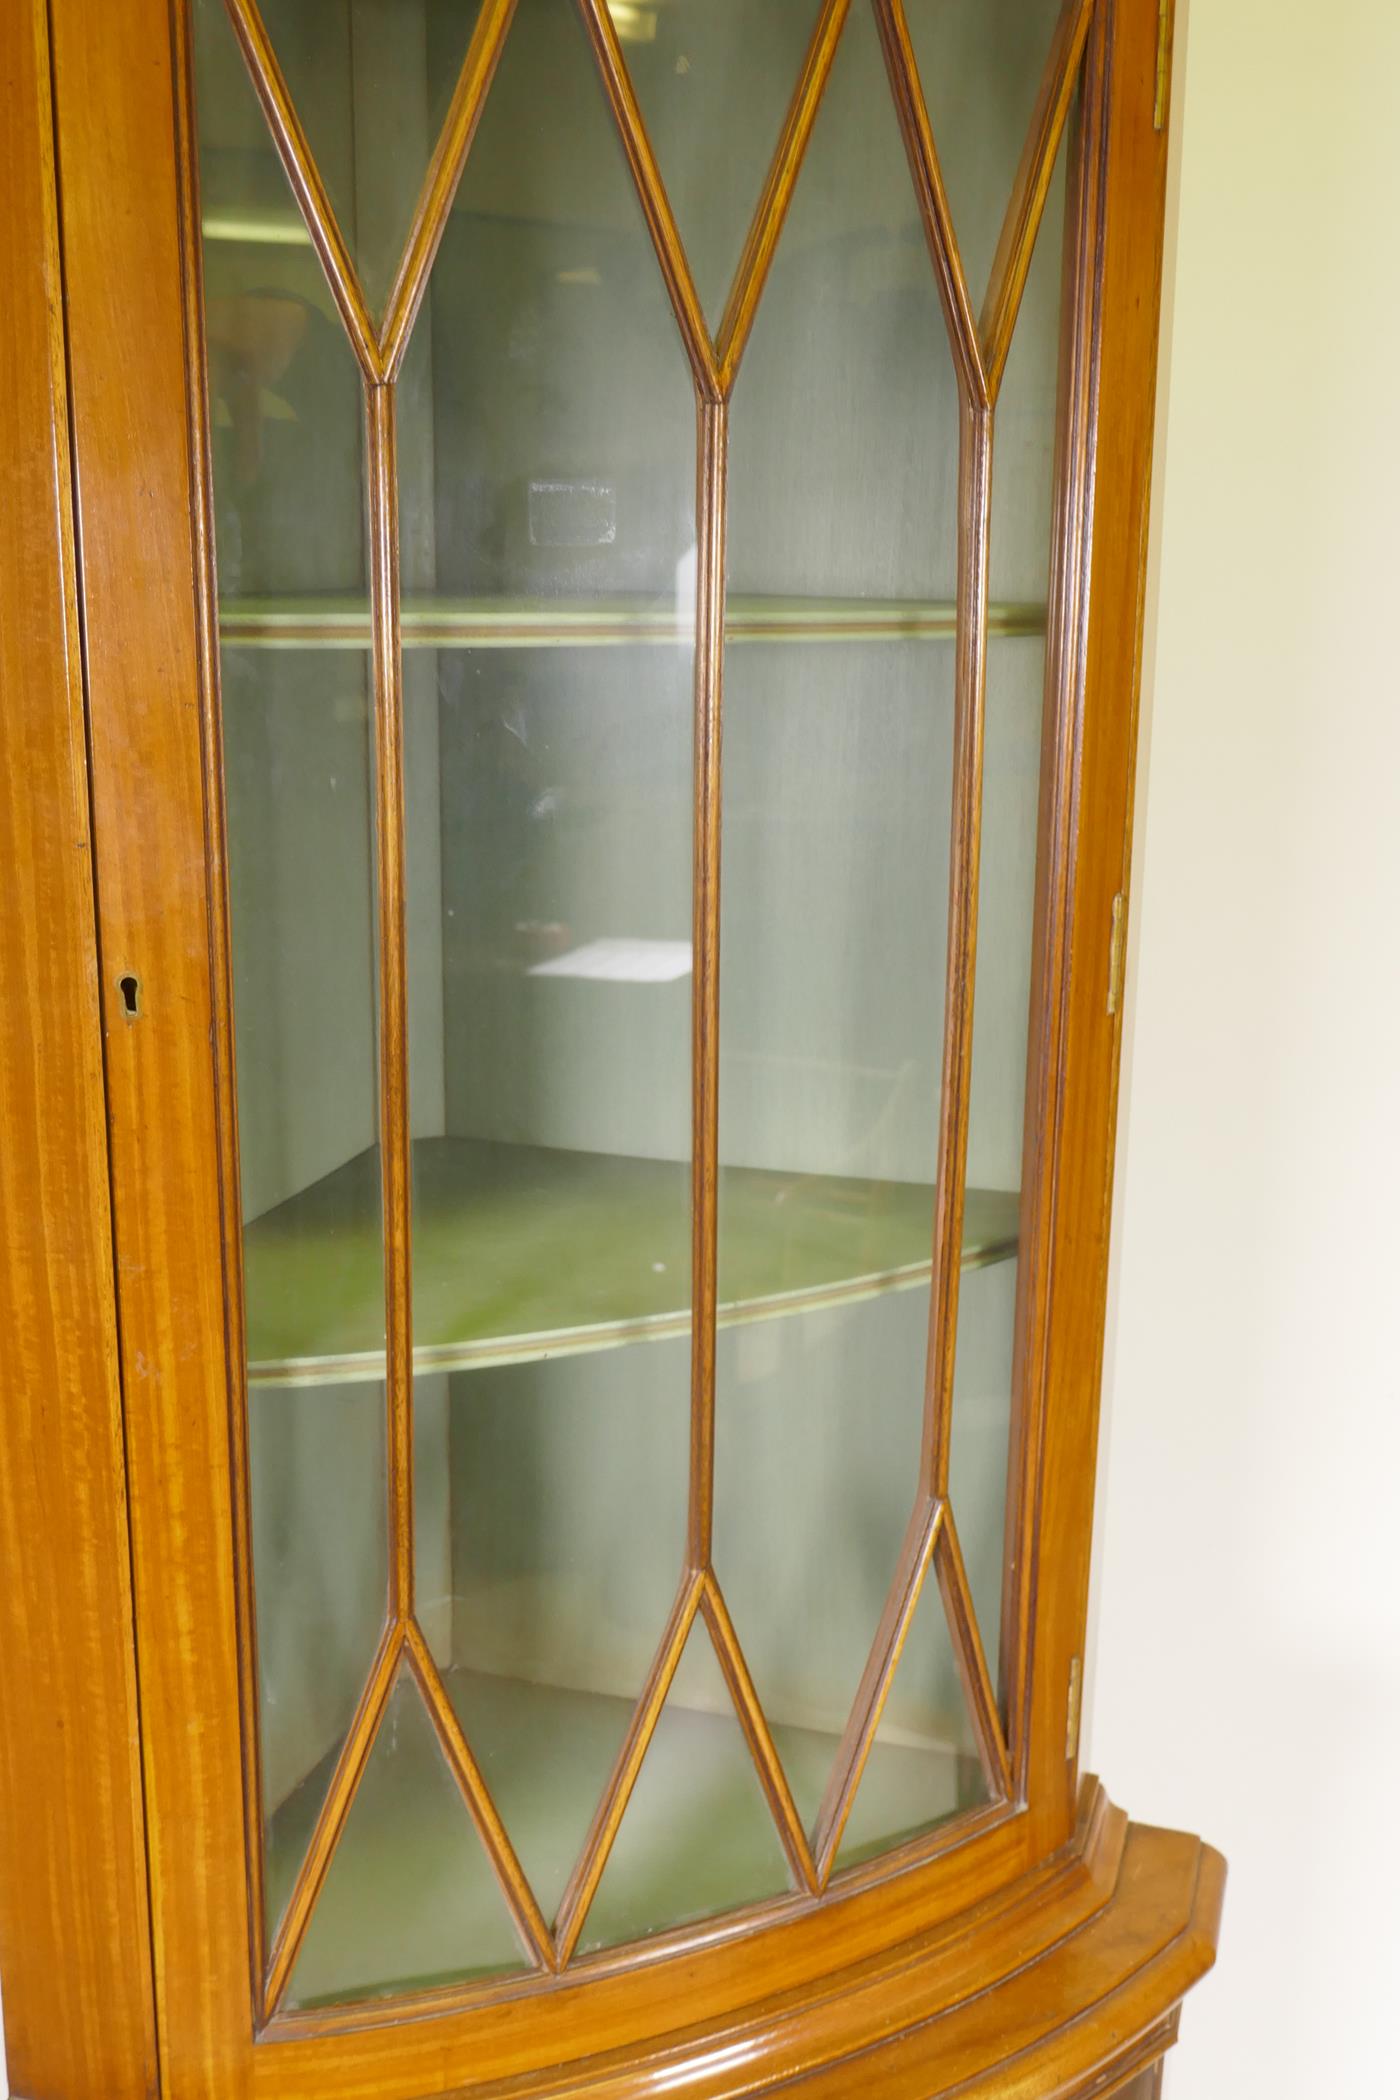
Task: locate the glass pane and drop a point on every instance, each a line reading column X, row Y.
column 980, row 63
column 321, row 1562
column 697, row 1837
column 1022, row 519
column 923, row 1765
column 814, row 1482
column 286, row 409
column 410, row 1899
column 547, row 483
column 371, row 81
column 849, row 340
column 837, row 801
column 287, row 437
column 566, row 1525
column 981, row 66
column 981, row 1439
column 714, row 79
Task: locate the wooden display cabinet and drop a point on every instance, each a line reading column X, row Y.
column 570, row 645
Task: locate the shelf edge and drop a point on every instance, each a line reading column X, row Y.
column 505, row 624
column 359, row 1367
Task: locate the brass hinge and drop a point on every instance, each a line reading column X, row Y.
column 1076, row 1687
column 1164, row 38
column 1116, row 945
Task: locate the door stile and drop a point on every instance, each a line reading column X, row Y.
column 130, row 362
column 1110, row 421
column 75, row 1928
column 1067, row 615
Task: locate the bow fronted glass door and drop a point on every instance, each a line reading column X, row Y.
column 632, row 435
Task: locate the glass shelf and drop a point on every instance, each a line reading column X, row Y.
column 523, row 1252
column 543, row 623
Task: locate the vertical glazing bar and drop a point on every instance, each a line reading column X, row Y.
column 974, row 519
column 712, row 435
column 395, row 1162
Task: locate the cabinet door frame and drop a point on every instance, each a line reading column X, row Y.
column 133, row 409
column 75, row 1940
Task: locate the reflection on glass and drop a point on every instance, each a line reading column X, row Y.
column 980, row 64
column 714, row 79
column 697, row 1837
column 411, row 1899
column 837, row 801
column 546, row 448
column 286, row 429
column 1022, row 517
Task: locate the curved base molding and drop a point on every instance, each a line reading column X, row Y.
column 1066, row 1987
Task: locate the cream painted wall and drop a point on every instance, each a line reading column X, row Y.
column 1246, row 1679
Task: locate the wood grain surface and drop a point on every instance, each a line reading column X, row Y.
column 1032, row 1947
column 74, row 1928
